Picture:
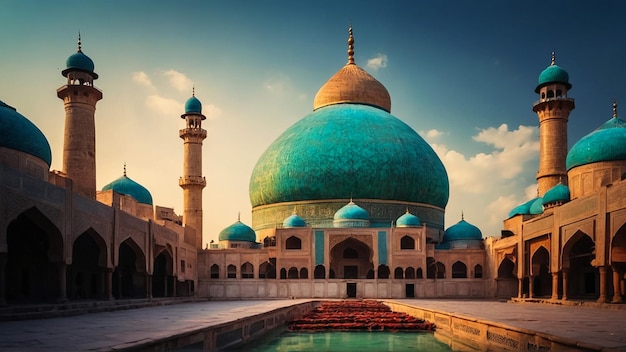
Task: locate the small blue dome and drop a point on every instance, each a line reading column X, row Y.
column 294, row 221
column 238, row 232
column 408, row 220
column 351, row 211
column 606, row 143
column 536, row 207
column 193, row 106
column 558, row 193
column 462, row 231
column 17, row 132
column 553, row 74
column 126, row 186
column 522, row 209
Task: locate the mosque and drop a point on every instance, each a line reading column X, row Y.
column 347, row 202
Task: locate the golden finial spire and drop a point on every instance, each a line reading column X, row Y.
column 193, row 91
column 124, row 169
column 350, row 47
column 462, row 215
column 407, row 210
column 552, row 61
column 614, row 108
column 79, row 43
column 239, row 216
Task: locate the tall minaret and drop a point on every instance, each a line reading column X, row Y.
column 553, row 109
column 79, row 143
column 192, row 181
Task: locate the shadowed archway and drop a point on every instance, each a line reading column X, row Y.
column 87, row 274
column 351, row 259
column 129, row 277
column 583, row 279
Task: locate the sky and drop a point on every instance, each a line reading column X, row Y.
column 461, row 73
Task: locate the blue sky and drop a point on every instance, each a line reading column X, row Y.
column 461, row 73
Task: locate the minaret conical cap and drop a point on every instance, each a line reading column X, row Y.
column 352, row 85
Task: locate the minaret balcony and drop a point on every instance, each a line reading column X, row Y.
column 192, row 181
column 192, row 132
column 553, row 99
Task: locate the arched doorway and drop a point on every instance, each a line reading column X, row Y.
column 540, row 273
column 351, row 259
column 129, row 277
column 162, row 275
column 618, row 264
column 507, row 283
column 87, row 274
column 583, row 279
column 35, row 267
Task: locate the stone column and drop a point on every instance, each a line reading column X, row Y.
column 564, row 296
column 148, row 286
column 108, row 295
column 555, row 286
column 520, row 287
column 617, row 296
column 602, row 298
column 62, row 297
column 3, row 278
column 530, row 286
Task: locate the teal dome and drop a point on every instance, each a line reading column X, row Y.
column 345, row 149
column 462, row 231
column 238, row 232
column 294, row 221
column 126, row 186
column 536, row 207
column 351, row 211
column 17, row 132
column 553, row 74
column 408, row 220
column 524, row 208
column 606, row 143
column 558, row 193
column 193, row 106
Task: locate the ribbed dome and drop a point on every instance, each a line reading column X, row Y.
column 126, row 186
column 606, row 143
column 553, row 74
column 18, row 133
column 351, row 211
column 347, row 149
column 558, row 193
column 536, row 207
column 238, row 232
column 294, row 220
column 79, row 61
column 352, row 84
column 462, row 231
column 193, row 106
column 408, row 220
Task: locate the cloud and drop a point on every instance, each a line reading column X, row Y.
column 379, row 61
column 142, row 78
column 179, row 80
column 165, row 106
column 279, row 85
column 431, row 135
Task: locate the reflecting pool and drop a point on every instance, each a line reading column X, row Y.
column 346, row 341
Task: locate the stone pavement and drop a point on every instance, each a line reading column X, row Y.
column 114, row 330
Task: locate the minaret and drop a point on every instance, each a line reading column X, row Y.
column 79, row 143
column 192, row 181
column 553, row 109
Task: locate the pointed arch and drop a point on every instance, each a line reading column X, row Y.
column 383, row 271
column 293, row 243
column 506, row 269
column 129, row 277
column 583, row 279
column 351, row 259
column 407, row 242
column 163, row 274
column 231, row 271
column 304, row 273
column 419, row 273
column 292, row 273
column 215, row 271
column 540, row 272
column 86, row 275
column 267, row 270
column 409, row 273
column 459, row 270
column 478, row 271
column 320, row 272
column 247, row 271
column 398, row 273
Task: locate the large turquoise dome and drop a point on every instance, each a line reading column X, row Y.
column 238, row 232
column 345, row 150
column 125, row 185
column 606, row 143
column 18, row 133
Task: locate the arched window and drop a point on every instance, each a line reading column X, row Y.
column 419, row 273
column 267, row 271
column 350, row 253
column 293, row 242
column 506, row 269
column 440, row 269
column 232, row 272
column 292, row 273
column 383, row 271
column 398, row 273
column 559, row 93
column 304, row 273
column 370, row 274
column 409, row 273
column 247, row 271
column 407, row 242
column 459, row 270
column 478, row 271
column 319, row 272
column 550, row 94
column 431, row 268
column 283, row 273
column 215, row 271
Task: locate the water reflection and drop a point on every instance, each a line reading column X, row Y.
column 347, row 341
